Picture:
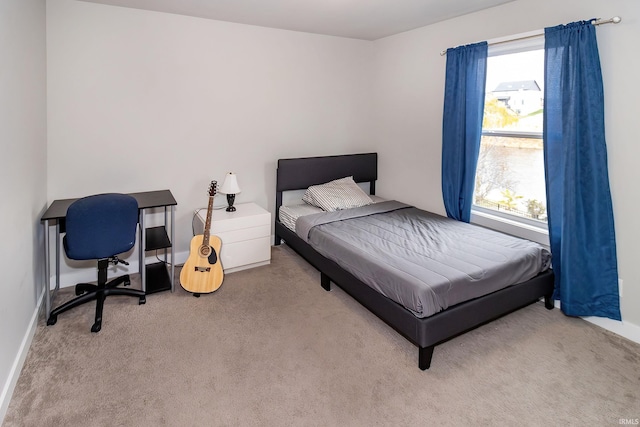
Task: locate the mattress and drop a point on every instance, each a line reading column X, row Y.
column 290, row 214
column 421, row 260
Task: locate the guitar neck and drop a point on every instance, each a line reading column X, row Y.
column 207, row 224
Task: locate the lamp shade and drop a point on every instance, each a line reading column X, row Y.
column 230, row 184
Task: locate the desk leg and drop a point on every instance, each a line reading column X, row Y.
column 48, row 296
column 57, row 257
column 47, row 272
column 173, row 245
column 164, row 251
column 141, row 260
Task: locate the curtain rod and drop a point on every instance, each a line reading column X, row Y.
column 599, row 21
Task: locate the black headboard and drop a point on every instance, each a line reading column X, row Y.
column 300, row 173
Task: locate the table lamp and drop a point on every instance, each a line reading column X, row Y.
column 230, row 188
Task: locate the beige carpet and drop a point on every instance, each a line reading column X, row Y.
column 272, row 348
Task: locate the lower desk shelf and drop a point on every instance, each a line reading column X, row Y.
column 157, row 278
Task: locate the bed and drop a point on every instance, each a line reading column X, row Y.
column 423, row 326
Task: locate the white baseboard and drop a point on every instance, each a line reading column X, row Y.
column 627, row 330
column 18, row 363
column 624, row 329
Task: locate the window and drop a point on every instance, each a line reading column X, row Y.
column 510, row 175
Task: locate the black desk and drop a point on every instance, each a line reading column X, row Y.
column 153, row 238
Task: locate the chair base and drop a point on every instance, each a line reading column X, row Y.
column 88, row 292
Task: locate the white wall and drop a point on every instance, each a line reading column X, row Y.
column 24, row 180
column 140, row 100
column 409, row 89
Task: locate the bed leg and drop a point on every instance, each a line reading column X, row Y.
column 424, row 357
column 548, row 302
column 277, row 240
column 325, row 281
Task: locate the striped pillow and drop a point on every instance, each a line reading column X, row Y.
column 340, row 194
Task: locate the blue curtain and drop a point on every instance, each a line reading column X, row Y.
column 464, row 88
column 580, row 214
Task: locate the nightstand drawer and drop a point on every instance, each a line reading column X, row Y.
column 242, row 234
column 245, row 217
column 245, row 253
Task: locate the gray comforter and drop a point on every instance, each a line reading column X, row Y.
column 421, row 260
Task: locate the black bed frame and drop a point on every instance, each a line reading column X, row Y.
column 426, row 333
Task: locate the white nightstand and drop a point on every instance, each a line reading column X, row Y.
column 245, row 235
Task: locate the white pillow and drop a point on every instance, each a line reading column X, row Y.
column 340, row 194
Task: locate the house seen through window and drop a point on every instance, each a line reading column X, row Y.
column 510, row 174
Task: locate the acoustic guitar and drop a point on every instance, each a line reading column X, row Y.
column 202, row 272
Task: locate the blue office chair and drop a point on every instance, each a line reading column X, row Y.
column 100, row 227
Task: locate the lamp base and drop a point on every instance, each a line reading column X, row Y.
column 230, row 199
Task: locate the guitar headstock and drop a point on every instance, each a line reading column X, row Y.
column 213, row 188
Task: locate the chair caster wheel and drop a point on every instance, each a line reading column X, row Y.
column 143, row 300
column 52, row 320
column 96, row 327
column 127, row 282
column 79, row 292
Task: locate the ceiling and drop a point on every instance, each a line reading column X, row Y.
column 360, row 19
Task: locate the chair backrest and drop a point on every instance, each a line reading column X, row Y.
column 101, row 226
